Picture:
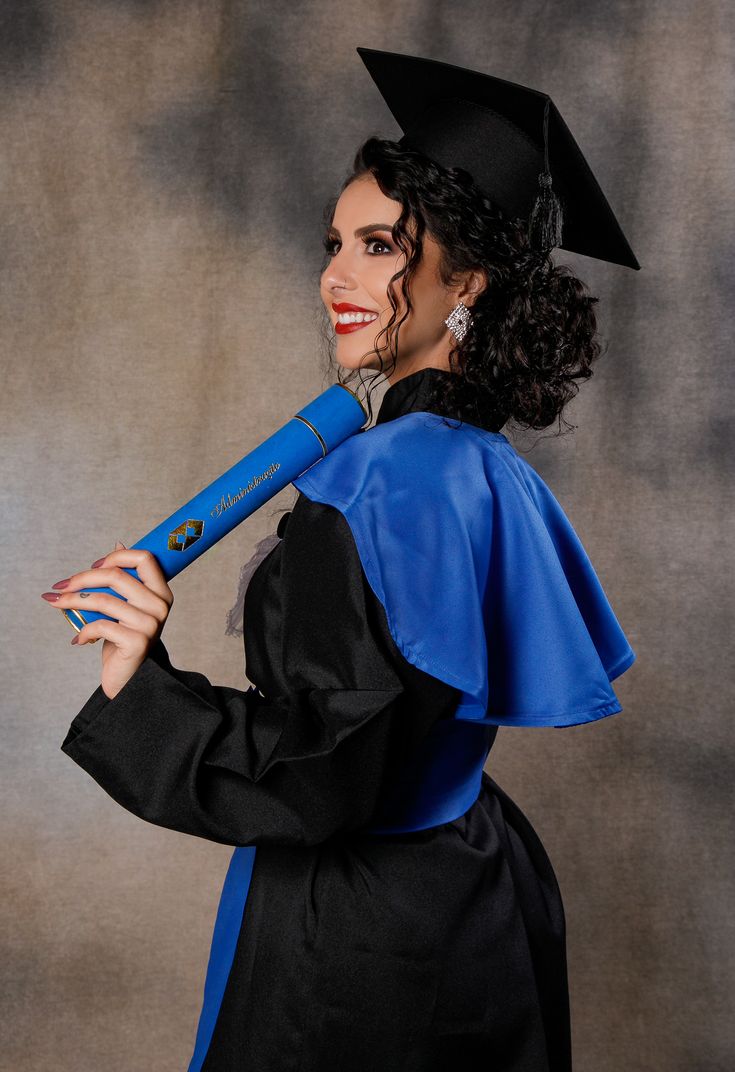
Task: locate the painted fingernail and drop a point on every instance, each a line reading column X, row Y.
column 61, row 584
column 98, row 562
column 75, row 640
column 51, row 597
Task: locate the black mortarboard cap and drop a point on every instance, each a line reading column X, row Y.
column 513, row 142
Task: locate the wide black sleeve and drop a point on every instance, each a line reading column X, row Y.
column 308, row 750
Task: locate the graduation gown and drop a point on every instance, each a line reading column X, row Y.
column 347, row 938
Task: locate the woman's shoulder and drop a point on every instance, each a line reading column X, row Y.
column 419, row 454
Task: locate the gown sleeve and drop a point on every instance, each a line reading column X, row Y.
column 308, row 750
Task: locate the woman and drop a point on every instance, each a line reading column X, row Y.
column 373, row 939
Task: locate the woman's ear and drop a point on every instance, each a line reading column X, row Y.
column 474, row 284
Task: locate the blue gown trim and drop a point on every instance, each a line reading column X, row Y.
column 441, row 780
column 227, row 927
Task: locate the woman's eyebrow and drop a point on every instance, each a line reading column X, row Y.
column 364, row 230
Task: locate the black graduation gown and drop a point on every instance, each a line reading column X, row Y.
column 436, row 949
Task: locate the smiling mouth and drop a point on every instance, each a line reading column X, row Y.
column 348, row 322
column 347, row 329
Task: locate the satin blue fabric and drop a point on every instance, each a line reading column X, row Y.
column 222, row 950
column 484, row 581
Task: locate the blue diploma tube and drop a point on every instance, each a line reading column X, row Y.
column 311, row 433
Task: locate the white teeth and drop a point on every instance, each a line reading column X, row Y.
column 355, row 318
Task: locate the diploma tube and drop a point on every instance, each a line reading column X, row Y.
column 304, row 440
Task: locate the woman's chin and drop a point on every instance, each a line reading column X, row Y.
column 356, row 361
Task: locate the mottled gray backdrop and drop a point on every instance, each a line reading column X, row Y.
column 164, row 167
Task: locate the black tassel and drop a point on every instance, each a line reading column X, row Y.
column 546, row 219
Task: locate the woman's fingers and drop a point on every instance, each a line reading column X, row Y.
column 151, row 593
column 147, row 623
column 138, row 606
column 128, row 642
column 136, row 612
column 145, row 564
column 146, row 602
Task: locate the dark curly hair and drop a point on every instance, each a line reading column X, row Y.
column 534, row 328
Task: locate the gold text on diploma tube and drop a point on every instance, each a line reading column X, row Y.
column 226, row 503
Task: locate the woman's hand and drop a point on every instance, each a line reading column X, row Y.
column 140, row 620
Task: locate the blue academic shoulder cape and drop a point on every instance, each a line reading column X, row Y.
column 486, row 586
column 484, row 582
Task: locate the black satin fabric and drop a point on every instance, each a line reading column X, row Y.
column 436, row 950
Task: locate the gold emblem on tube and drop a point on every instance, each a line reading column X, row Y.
column 175, row 541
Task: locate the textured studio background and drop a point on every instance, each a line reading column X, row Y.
column 164, row 168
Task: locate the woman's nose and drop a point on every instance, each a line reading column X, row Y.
column 342, row 267
column 336, row 272
column 335, row 280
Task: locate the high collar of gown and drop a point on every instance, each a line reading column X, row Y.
column 410, row 393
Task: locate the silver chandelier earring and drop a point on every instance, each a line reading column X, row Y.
column 459, row 321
